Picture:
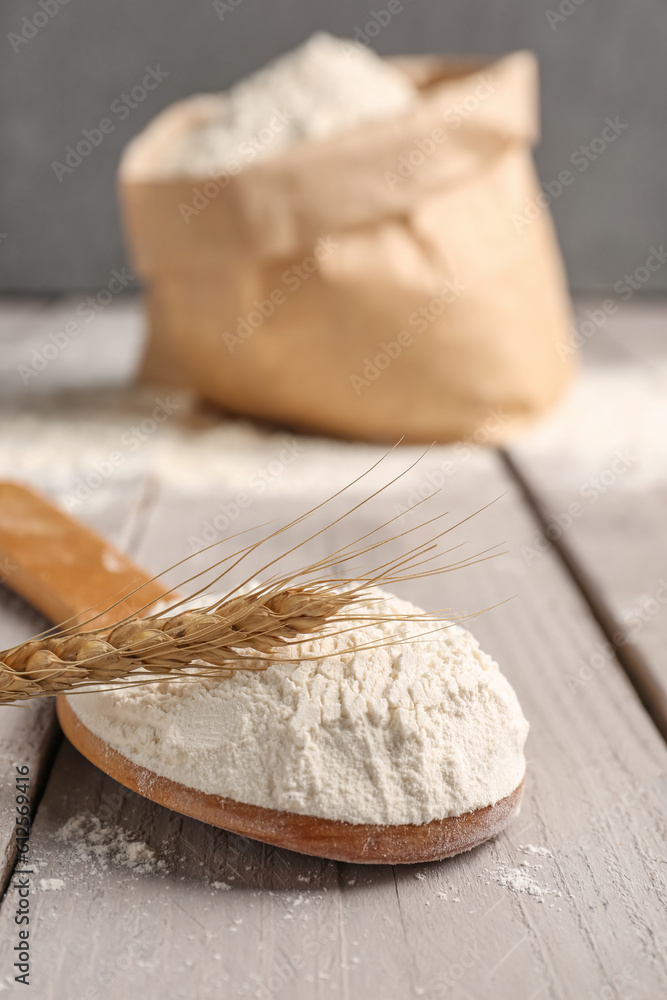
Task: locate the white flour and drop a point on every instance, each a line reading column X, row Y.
column 543, row 852
column 98, row 846
column 321, row 89
column 51, row 884
column 521, row 880
column 405, row 733
column 612, row 413
column 60, row 450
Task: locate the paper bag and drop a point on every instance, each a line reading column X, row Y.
column 402, row 279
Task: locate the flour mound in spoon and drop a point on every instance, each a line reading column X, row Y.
column 407, row 732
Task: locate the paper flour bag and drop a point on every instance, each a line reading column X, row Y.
column 400, row 279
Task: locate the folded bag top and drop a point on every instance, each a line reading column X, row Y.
column 279, row 205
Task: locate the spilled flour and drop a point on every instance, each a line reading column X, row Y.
column 405, row 732
column 100, row 846
column 543, row 852
column 62, row 449
column 521, row 880
column 613, row 422
column 50, row 884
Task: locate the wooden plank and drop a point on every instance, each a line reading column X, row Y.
column 298, row 927
column 20, row 314
column 597, row 472
column 72, row 342
column 637, row 327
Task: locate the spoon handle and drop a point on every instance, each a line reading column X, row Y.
column 61, row 567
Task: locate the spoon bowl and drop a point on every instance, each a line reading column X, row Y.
column 366, row 843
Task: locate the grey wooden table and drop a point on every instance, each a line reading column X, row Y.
column 129, row 899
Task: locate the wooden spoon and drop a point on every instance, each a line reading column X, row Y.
column 63, row 569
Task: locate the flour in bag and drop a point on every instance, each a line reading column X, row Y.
column 321, row 89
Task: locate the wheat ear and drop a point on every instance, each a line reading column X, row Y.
column 236, row 633
column 168, row 645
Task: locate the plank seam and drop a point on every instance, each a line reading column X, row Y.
column 39, row 789
column 627, row 654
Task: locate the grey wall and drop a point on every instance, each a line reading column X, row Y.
column 606, row 58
